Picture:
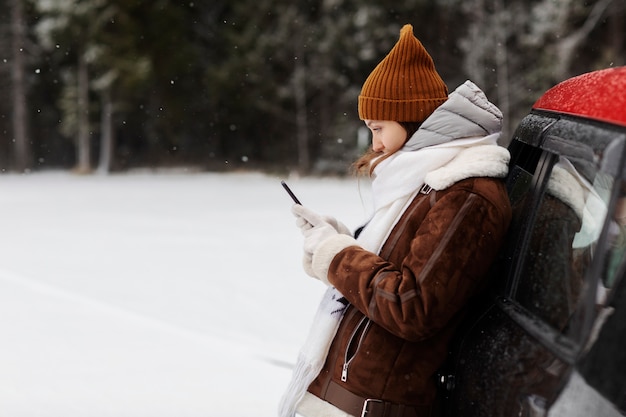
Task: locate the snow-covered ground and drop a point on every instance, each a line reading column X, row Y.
column 152, row 295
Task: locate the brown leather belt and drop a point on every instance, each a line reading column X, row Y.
column 358, row 406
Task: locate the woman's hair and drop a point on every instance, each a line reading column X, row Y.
column 411, row 128
column 364, row 166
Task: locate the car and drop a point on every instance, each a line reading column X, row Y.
column 546, row 336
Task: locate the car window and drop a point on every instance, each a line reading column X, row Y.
column 567, row 224
column 613, row 265
column 563, row 179
column 568, row 217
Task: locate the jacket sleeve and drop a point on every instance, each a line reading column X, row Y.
column 447, row 259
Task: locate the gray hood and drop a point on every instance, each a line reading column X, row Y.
column 467, row 113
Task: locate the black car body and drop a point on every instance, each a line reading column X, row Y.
column 547, row 337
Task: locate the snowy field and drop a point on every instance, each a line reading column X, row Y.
column 152, row 295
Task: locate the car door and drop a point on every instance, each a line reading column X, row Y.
column 597, row 385
column 521, row 341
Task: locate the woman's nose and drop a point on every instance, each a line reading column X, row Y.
column 377, row 145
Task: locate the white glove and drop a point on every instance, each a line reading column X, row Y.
column 303, row 224
column 307, row 264
column 316, row 230
column 341, row 228
column 314, row 227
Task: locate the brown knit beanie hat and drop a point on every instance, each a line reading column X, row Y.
column 404, row 86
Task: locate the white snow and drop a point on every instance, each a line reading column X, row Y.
column 167, row 294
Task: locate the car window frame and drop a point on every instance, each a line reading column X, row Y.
column 549, row 147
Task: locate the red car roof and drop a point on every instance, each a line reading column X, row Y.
column 598, row 95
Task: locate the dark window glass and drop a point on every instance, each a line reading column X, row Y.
column 613, row 266
column 563, row 238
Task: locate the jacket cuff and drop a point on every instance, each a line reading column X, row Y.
column 326, row 252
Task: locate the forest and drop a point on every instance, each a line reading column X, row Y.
column 100, row 86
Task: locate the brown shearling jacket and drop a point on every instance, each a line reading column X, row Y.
column 405, row 303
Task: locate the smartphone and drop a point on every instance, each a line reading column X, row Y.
column 291, row 194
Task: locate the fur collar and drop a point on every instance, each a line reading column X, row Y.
column 479, row 161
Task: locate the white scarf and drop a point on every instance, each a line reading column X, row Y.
column 399, row 178
column 438, row 154
column 314, row 350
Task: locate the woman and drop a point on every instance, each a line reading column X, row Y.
column 397, row 289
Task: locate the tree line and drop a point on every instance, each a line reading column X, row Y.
column 111, row 85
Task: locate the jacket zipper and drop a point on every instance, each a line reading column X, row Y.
column 347, row 360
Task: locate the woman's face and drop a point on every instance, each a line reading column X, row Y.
column 387, row 136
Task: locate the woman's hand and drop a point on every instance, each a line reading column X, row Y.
column 316, row 228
